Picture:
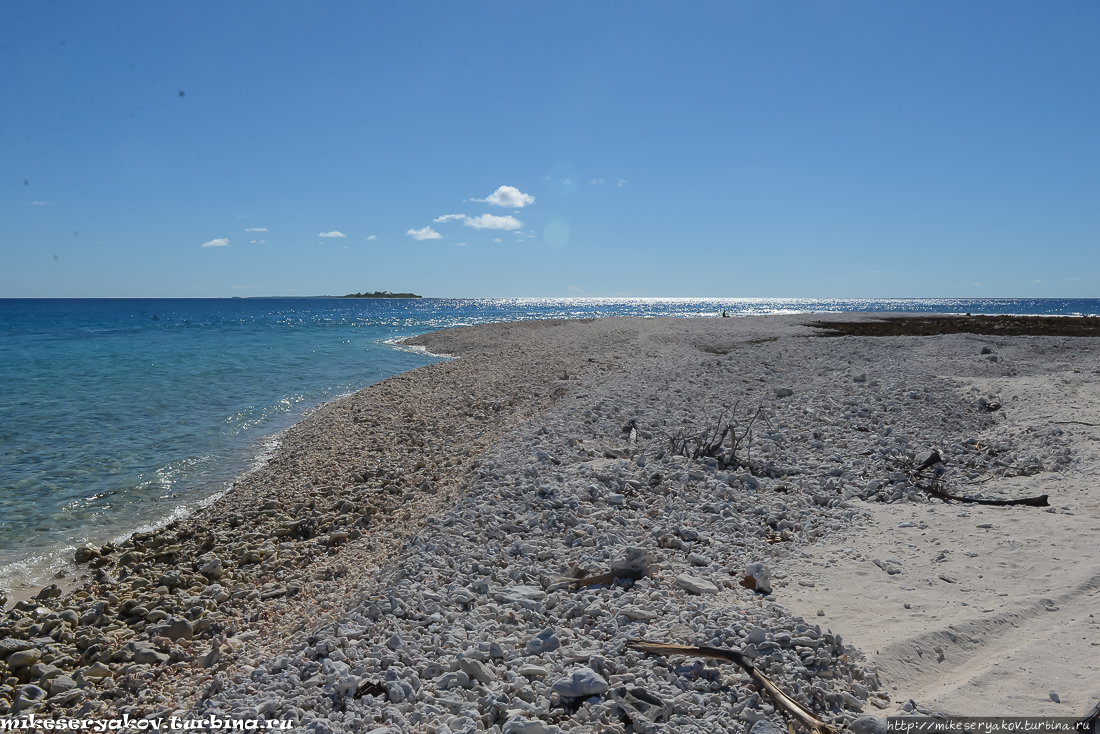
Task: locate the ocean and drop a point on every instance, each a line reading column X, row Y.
column 119, row 414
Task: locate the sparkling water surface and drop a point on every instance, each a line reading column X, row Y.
column 120, row 414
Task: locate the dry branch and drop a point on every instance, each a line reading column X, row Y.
column 606, row 578
column 934, row 490
column 710, row 441
column 791, row 707
column 934, row 486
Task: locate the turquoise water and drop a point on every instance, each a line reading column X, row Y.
column 117, row 414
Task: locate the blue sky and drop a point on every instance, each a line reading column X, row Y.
column 819, row 149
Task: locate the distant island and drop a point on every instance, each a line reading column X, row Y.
column 381, row 294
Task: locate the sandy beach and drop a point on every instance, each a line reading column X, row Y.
column 413, row 556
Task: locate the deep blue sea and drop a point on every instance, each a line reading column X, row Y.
column 120, row 414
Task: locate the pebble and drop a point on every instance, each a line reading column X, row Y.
column 695, row 584
column 761, row 576
column 582, row 682
column 521, row 725
column 545, row 641
column 868, row 725
column 764, row 726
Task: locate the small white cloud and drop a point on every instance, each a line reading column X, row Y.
column 333, row 233
column 220, row 242
column 567, row 181
column 372, row 237
column 595, row 181
column 620, row 181
column 497, row 240
column 575, row 289
column 256, row 229
column 257, row 242
column 508, row 196
column 460, row 244
column 40, row 203
column 425, row 233
column 449, row 217
column 489, row 221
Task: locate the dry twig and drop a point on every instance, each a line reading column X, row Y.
column 791, row 707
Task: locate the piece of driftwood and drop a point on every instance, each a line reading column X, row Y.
column 791, row 707
column 606, row 578
column 935, row 491
column 933, row 487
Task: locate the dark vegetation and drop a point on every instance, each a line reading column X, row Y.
column 381, row 294
column 991, row 325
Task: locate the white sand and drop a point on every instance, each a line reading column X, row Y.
column 1023, row 617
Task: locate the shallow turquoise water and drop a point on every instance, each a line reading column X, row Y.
column 120, row 413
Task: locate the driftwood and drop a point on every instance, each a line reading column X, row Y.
column 709, row 442
column 933, row 487
column 606, row 578
column 935, row 491
column 1091, row 721
column 791, row 707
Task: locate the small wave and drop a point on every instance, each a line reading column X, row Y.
column 397, row 343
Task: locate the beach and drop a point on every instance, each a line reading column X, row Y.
column 414, row 557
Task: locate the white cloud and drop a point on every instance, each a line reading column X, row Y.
column 220, row 242
column 40, row 203
column 460, row 244
column 333, row 233
column 597, row 181
column 448, row 217
column 497, row 240
column 257, row 242
column 256, row 229
column 425, row 233
column 489, row 221
column 508, row 196
column 372, row 237
column 620, row 181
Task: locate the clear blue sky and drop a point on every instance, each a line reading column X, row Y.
column 821, row 149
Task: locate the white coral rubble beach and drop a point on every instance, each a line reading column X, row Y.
column 505, row 600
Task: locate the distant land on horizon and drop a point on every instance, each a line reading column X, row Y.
column 381, row 294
